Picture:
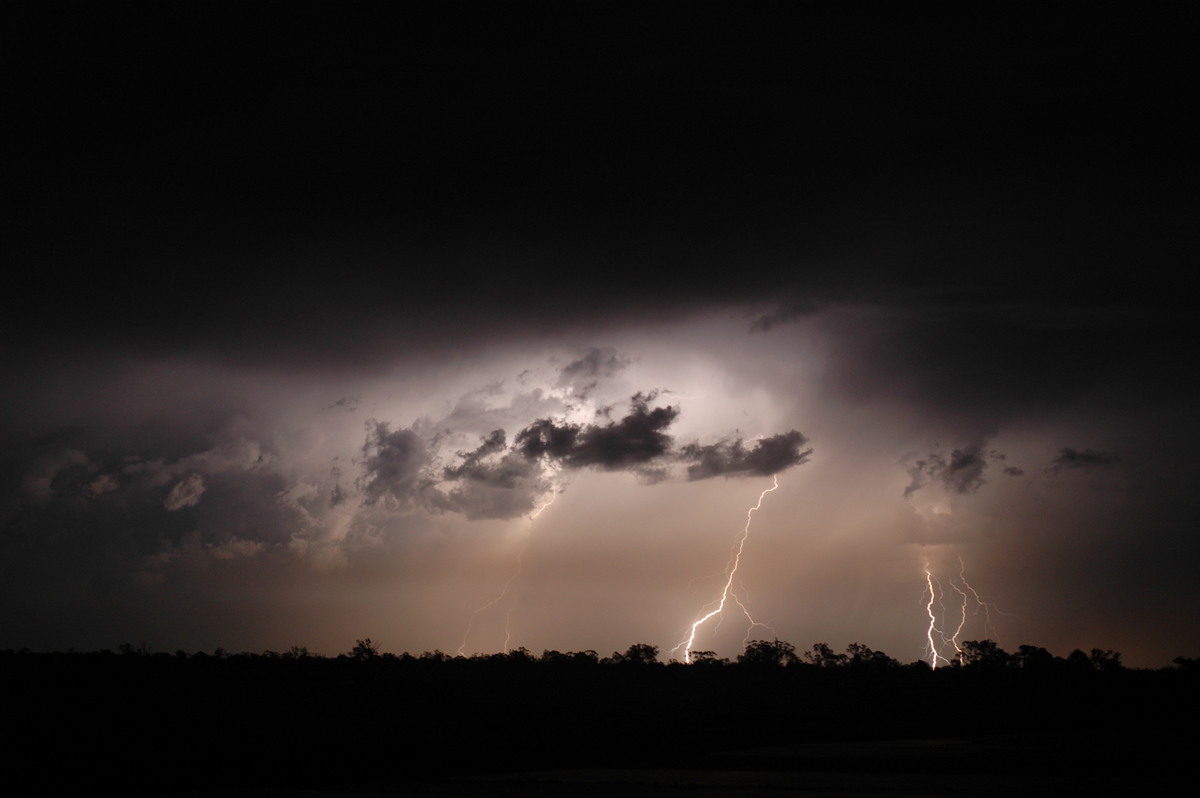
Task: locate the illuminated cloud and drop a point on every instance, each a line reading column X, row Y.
column 185, row 493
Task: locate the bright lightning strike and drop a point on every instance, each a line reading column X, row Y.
column 937, row 596
column 931, row 648
column 507, row 585
column 727, row 593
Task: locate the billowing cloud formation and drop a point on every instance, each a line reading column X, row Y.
column 635, row 440
column 394, row 464
column 499, row 481
column 731, row 458
column 1087, row 460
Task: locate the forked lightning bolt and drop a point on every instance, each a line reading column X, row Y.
column 930, row 647
column 504, row 592
column 932, row 588
column 731, row 569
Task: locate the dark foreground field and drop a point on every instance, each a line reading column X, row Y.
column 518, row 726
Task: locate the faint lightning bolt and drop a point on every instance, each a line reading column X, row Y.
column 508, row 584
column 980, row 603
column 727, row 593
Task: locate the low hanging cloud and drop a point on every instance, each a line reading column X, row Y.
column 732, row 459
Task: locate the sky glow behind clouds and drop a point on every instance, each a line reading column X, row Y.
column 300, row 345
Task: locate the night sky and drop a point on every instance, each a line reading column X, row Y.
column 310, row 308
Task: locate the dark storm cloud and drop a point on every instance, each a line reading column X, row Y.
column 633, row 441
column 731, row 458
column 962, row 473
column 394, row 465
column 229, row 500
column 1087, row 460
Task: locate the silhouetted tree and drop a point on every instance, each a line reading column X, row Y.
column 768, row 654
column 1079, row 661
column 365, row 649
column 707, row 658
column 1033, row 658
column 985, row 653
column 637, row 654
column 822, row 656
column 1104, row 660
column 861, row 656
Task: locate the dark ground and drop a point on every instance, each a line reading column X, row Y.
column 250, row 725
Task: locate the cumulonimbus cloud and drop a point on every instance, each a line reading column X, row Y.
column 499, row 480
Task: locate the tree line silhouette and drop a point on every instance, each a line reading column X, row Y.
column 977, row 654
column 137, row 719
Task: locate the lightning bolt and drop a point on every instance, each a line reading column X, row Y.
column 931, row 648
column 508, row 584
column 980, row 605
column 936, row 595
column 731, row 568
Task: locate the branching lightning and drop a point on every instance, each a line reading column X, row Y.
column 727, row 593
column 507, row 585
column 935, row 594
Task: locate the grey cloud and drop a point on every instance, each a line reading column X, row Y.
column 473, row 465
column 394, row 464
column 586, row 372
column 506, row 488
column 731, row 458
column 493, row 482
column 961, row 474
column 1087, row 460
